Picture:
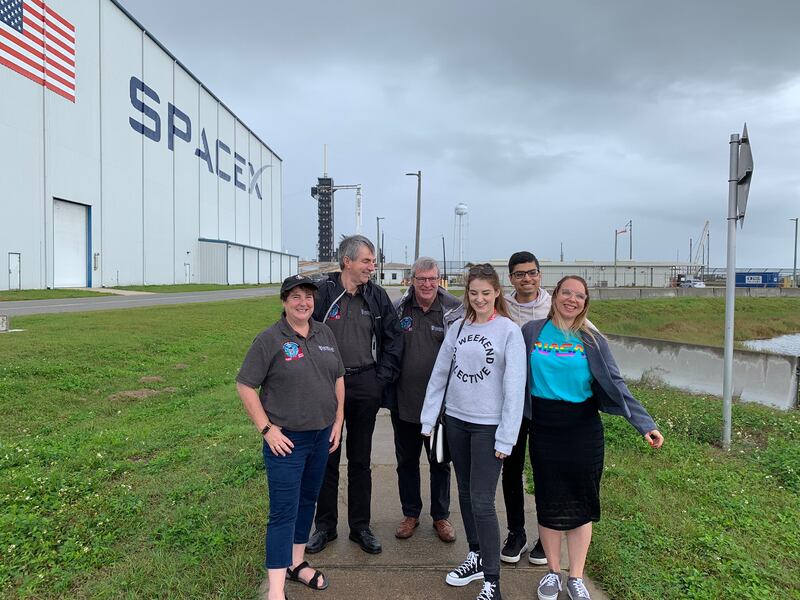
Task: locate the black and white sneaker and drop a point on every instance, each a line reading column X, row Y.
column 490, row 591
column 537, row 557
column 470, row 570
column 513, row 547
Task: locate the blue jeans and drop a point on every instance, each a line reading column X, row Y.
column 293, row 482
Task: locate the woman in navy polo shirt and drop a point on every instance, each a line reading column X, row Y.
column 299, row 411
column 572, row 375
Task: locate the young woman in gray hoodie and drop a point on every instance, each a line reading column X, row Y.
column 483, row 410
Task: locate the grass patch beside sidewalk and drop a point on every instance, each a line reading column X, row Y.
column 128, row 467
column 691, row 521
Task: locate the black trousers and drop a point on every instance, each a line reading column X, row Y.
column 513, row 485
column 408, row 443
column 362, row 400
column 477, row 471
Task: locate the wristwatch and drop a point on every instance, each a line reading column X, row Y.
column 265, row 429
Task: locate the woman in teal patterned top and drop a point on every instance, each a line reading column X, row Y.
column 571, row 376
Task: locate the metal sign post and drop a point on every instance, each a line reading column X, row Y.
column 739, row 175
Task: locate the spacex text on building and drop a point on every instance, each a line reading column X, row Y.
column 179, row 125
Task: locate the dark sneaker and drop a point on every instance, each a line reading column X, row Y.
column 513, row 547
column 490, row 591
column 468, row 571
column 318, row 540
column 549, row 586
column 537, row 557
column 576, row 589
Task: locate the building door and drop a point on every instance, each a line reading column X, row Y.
column 187, row 272
column 70, row 244
column 14, row 282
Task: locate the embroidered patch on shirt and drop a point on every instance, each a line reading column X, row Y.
column 327, row 349
column 292, row 351
column 406, row 324
column 334, row 314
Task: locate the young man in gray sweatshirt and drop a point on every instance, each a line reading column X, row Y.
column 528, row 301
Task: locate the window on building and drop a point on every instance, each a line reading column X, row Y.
column 394, row 275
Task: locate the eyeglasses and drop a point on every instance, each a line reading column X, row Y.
column 565, row 293
column 482, row 269
column 533, row 273
column 422, row 280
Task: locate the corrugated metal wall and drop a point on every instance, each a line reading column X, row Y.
column 159, row 161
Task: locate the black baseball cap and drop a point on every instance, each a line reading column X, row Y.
column 295, row 280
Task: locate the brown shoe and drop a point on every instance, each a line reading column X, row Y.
column 406, row 528
column 444, row 529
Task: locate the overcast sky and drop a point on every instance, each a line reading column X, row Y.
column 553, row 121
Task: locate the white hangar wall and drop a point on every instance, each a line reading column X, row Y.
column 147, row 165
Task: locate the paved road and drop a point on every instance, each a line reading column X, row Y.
column 31, row 307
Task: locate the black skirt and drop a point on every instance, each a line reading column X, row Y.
column 567, row 448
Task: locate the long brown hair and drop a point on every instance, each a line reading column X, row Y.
column 486, row 272
column 581, row 324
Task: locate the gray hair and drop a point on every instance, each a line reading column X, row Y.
column 350, row 246
column 424, row 263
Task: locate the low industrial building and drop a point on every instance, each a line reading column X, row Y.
column 606, row 274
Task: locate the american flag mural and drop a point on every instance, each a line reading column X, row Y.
column 37, row 42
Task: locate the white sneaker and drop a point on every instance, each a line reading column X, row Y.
column 468, row 571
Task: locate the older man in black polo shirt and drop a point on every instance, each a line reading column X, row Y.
column 368, row 335
column 425, row 312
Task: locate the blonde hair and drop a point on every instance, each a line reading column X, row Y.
column 581, row 324
column 486, row 272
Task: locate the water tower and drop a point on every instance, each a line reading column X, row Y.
column 461, row 232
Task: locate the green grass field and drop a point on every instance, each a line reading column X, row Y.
column 128, row 469
column 697, row 320
column 112, row 486
column 693, row 521
column 15, row 295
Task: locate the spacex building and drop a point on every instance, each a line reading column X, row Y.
column 118, row 167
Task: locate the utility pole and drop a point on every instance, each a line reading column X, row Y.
column 444, row 262
column 379, row 249
column 562, row 251
column 794, row 268
column 630, row 240
column 418, row 175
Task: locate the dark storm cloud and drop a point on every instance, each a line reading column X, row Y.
column 581, row 112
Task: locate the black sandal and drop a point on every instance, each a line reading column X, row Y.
column 313, row 583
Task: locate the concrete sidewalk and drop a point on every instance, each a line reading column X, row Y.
column 412, row 569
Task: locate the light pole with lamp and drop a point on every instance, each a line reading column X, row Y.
column 418, row 175
column 794, row 268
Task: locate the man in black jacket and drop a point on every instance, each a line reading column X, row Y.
column 370, row 342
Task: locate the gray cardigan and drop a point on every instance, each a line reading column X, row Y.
column 609, row 388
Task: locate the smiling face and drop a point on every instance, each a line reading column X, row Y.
column 570, row 300
column 426, row 285
column 359, row 271
column 526, row 284
column 299, row 304
column 481, row 295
